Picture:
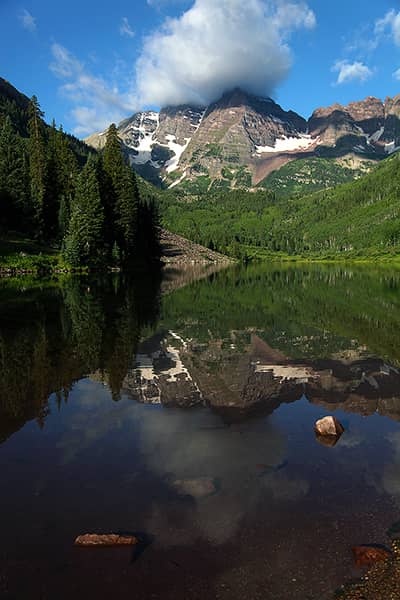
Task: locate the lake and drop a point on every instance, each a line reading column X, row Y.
column 182, row 410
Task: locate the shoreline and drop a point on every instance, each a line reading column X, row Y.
column 6, row 272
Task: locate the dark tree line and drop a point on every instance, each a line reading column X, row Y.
column 93, row 211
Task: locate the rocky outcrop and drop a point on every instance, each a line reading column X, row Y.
column 179, row 251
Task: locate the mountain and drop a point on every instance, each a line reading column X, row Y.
column 241, row 139
column 15, row 105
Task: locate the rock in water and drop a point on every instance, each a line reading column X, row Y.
column 365, row 556
column 329, row 426
column 109, row 539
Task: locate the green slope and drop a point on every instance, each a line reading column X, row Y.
column 362, row 217
column 353, row 220
column 307, row 175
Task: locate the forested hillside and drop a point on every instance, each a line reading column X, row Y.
column 357, row 219
column 57, row 192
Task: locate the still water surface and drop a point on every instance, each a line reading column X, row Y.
column 184, row 412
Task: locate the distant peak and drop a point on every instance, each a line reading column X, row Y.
column 237, row 96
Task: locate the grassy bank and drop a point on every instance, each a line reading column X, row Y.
column 21, row 255
column 263, row 254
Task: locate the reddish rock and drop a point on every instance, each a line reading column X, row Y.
column 365, row 556
column 109, row 539
column 329, row 426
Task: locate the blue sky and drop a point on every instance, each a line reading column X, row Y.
column 91, row 63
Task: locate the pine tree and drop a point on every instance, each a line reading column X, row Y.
column 126, row 214
column 67, row 172
column 148, row 242
column 84, row 243
column 62, row 171
column 112, row 170
column 13, row 191
column 113, row 158
column 37, row 163
column 51, row 201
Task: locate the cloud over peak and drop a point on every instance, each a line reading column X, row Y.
column 216, row 46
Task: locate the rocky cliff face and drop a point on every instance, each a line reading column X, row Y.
column 240, row 139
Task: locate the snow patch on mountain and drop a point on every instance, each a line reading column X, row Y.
column 375, row 137
column 391, row 147
column 178, row 181
column 288, row 144
column 200, row 120
column 177, row 149
column 145, row 138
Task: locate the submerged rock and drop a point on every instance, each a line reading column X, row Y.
column 365, row 556
column 198, row 488
column 329, row 426
column 381, row 582
column 109, row 539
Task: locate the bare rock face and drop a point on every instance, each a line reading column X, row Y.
column 358, row 126
column 110, row 539
column 329, row 426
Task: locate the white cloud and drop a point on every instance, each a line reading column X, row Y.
column 216, row 46
column 125, row 28
column 396, row 74
column 98, row 103
column 351, row 71
column 389, row 24
column 28, row 21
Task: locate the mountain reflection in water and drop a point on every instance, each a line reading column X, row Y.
column 186, row 412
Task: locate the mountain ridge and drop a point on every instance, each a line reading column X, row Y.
column 241, row 139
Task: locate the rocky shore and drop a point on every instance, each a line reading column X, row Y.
column 177, row 250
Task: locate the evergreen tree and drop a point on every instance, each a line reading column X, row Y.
column 51, row 201
column 112, row 167
column 13, row 192
column 84, row 243
column 148, row 242
column 113, row 158
column 67, row 172
column 62, row 171
column 37, row 163
column 126, row 213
